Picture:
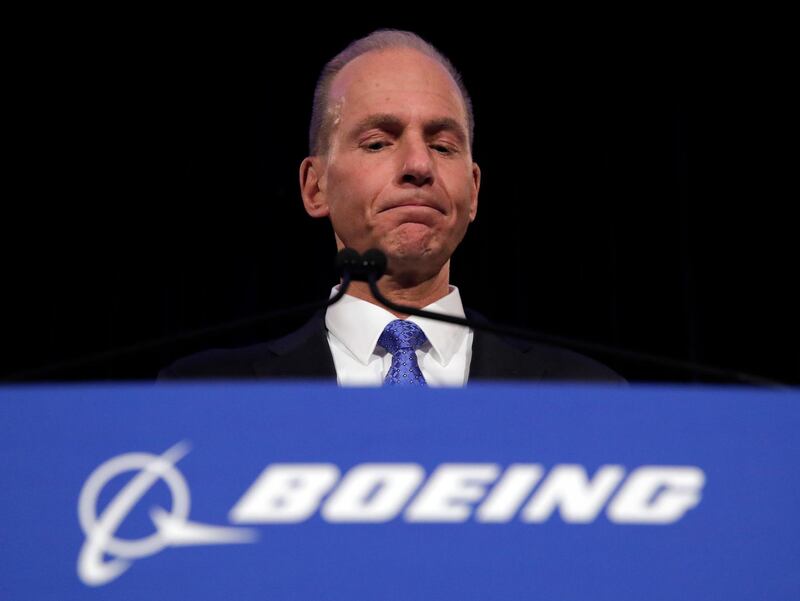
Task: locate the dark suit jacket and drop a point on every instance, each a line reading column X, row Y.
column 305, row 353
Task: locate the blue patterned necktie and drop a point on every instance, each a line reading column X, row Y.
column 401, row 338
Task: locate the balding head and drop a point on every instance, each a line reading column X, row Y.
column 324, row 112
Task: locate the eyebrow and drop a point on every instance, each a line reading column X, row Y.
column 447, row 124
column 392, row 123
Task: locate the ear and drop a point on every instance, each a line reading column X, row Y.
column 476, row 186
column 312, row 186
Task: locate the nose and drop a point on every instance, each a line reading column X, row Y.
column 417, row 163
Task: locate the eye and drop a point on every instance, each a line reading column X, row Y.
column 375, row 145
column 442, row 149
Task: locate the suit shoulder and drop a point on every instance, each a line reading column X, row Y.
column 272, row 358
column 564, row 364
column 218, row 363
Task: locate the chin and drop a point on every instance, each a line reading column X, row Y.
column 410, row 244
column 415, row 262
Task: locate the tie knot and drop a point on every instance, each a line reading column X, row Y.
column 402, row 335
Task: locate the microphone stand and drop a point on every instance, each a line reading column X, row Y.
column 152, row 345
column 373, row 266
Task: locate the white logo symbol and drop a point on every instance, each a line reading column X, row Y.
column 172, row 528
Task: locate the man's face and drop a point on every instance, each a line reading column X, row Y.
column 398, row 174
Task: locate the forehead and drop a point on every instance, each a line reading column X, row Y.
column 398, row 80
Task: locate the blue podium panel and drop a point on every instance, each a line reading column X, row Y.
column 290, row 491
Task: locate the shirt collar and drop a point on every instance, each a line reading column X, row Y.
column 358, row 324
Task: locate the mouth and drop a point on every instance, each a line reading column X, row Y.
column 410, row 214
column 413, row 204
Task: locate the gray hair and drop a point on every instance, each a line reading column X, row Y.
column 319, row 131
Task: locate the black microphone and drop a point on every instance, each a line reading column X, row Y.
column 373, row 265
column 360, row 267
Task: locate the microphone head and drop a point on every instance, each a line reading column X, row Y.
column 348, row 260
column 360, row 267
column 374, row 261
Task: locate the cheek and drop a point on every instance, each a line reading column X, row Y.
column 462, row 198
column 356, row 192
column 350, row 200
column 353, row 181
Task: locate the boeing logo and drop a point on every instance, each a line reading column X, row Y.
column 172, row 528
column 291, row 493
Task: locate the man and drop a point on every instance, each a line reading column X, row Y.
column 391, row 166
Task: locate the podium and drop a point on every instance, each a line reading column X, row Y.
column 234, row 490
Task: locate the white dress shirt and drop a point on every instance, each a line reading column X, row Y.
column 354, row 326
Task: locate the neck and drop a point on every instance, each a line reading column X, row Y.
column 404, row 291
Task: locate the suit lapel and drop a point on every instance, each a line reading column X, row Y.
column 302, row 354
column 495, row 359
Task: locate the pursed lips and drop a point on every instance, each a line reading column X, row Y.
column 412, row 203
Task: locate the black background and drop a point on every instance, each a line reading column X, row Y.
column 634, row 186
